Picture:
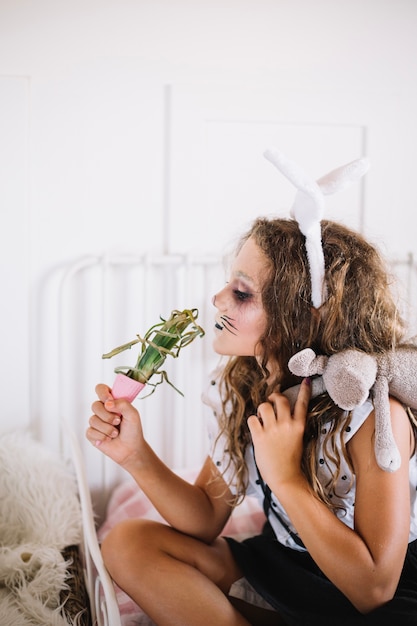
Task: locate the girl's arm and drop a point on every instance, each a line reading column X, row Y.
column 200, row 510
column 364, row 563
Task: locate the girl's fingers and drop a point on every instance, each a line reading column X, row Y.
column 266, row 412
column 107, row 416
column 100, row 411
column 99, row 426
column 103, row 392
column 279, row 408
column 110, row 410
column 255, row 424
column 303, row 398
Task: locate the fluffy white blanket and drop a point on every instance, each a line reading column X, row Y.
column 39, row 516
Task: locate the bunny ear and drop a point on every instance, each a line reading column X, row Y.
column 344, row 176
column 298, row 178
column 308, row 208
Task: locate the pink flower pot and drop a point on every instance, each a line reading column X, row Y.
column 125, row 387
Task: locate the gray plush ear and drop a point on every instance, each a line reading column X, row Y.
column 396, row 376
column 387, row 454
column 306, row 363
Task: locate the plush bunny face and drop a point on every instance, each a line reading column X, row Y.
column 347, row 376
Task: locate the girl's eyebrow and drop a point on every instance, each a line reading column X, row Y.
column 240, row 274
column 249, row 279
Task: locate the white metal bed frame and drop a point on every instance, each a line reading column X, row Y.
column 185, row 281
column 104, row 608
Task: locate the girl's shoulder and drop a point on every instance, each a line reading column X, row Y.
column 357, row 417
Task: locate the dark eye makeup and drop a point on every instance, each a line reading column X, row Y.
column 241, row 296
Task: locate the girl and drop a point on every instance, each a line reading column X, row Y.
column 339, row 544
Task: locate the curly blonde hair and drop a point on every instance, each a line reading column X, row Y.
column 359, row 312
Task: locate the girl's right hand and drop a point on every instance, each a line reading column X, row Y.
column 115, row 428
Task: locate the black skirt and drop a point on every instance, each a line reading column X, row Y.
column 293, row 584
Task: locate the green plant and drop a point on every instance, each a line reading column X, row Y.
column 166, row 338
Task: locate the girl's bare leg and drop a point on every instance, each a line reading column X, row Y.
column 175, row 579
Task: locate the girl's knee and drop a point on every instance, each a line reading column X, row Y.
column 132, row 540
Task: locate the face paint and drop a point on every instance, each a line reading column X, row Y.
column 227, row 324
column 241, row 318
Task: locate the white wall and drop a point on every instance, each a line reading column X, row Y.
column 105, row 156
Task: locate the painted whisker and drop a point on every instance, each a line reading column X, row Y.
column 227, row 324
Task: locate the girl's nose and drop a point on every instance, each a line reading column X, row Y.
column 219, row 300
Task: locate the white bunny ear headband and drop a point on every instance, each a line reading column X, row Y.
column 308, row 208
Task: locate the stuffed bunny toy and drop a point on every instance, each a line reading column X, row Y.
column 349, row 376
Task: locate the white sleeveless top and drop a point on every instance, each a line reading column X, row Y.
column 343, row 492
